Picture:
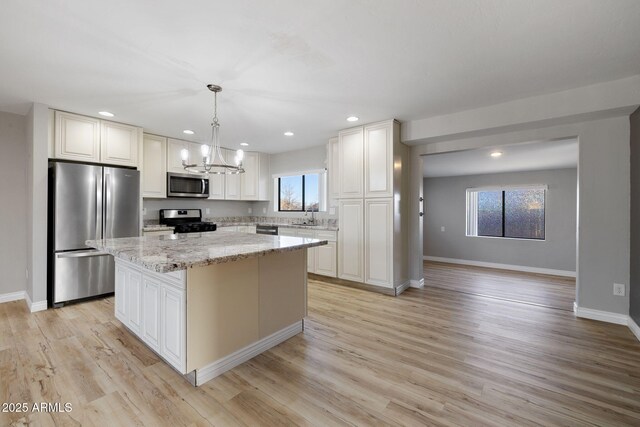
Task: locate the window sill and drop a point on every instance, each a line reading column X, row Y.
column 508, row 238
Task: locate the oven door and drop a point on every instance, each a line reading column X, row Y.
column 185, row 185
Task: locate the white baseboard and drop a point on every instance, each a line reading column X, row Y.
column 603, row 316
column 403, row 287
column 634, row 328
column 538, row 270
column 12, row 296
column 221, row 366
column 417, row 283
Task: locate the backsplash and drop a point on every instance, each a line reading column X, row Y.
column 325, row 222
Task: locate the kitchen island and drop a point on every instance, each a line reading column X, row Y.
column 206, row 302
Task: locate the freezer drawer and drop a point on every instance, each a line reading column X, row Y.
column 82, row 274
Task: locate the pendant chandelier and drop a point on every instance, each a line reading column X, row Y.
column 213, row 161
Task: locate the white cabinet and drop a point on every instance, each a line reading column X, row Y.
column 350, row 240
column 119, row 143
column 320, row 259
column 154, row 166
column 228, row 227
column 151, row 288
column 326, row 258
column 76, row 137
column 153, row 307
column 232, row 182
column 333, row 156
column 89, row 139
column 254, row 181
column 311, row 252
column 247, row 229
column 378, row 160
column 378, row 239
column 173, row 342
column 351, row 160
column 174, row 155
column 216, row 187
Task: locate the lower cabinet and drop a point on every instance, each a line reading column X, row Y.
column 153, row 307
column 321, row 260
column 350, row 240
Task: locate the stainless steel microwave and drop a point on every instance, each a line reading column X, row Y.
column 186, row 185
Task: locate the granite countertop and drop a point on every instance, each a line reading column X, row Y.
column 180, row 251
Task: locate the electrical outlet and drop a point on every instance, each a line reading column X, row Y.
column 264, row 210
column 332, row 211
column 619, row 289
column 249, row 210
column 207, row 211
column 442, row 228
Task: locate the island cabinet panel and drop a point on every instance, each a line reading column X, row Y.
column 283, row 290
column 134, row 301
column 151, row 312
column 120, row 295
column 223, row 310
column 172, row 328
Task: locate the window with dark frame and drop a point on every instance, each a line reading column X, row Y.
column 299, row 193
column 511, row 212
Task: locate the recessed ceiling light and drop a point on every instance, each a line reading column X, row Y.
column 244, row 144
column 188, row 131
column 288, row 133
column 352, row 119
column 496, row 154
column 106, row 114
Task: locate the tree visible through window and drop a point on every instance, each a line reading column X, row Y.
column 515, row 213
column 299, row 192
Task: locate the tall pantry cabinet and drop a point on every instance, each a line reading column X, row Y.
column 371, row 188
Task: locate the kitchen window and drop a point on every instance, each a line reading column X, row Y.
column 507, row 212
column 301, row 192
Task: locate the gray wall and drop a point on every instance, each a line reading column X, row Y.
column 445, row 205
column 634, row 282
column 217, row 208
column 13, row 205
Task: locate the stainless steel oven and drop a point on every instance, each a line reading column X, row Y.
column 186, row 185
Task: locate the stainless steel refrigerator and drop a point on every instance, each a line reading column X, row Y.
column 87, row 202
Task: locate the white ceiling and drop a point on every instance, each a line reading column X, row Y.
column 529, row 156
column 304, row 65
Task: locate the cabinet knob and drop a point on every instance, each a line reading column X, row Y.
column 421, row 199
column 421, row 214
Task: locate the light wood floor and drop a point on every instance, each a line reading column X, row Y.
column 551, row 291
column 427, row 357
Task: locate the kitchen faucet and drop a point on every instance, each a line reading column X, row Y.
column 313, row 219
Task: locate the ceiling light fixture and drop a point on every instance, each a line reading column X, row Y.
column 188, row 131
column 496, row 154
column 288, row 133
column 213, row 151
column 244, row 144
column 106, row 114
column 352, row 119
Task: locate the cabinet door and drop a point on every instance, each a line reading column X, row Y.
column 311, row 252
column 232, row 182
column 326, row 259
column 174, row 155
column 333, row 157
column 134, row 301
column 154, row 166
column 76, row 137
column 351, row 155
column 121, row 293
column 378, row 160
column 350, row 240
column 173, row 334
column 151, row 312
column 378, row 238
column 216, row 187
column 249, row 180
column 119, row 143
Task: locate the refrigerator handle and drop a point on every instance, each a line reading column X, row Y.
column 107, row 206
column 98, row 203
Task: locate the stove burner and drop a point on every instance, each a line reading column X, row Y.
column 195, row 227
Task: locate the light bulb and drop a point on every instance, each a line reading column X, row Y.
column 237, row 160
column 240, row 155
column 205, row 150
column 184, row 153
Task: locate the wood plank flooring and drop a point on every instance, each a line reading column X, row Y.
column 427, row 357
column 541, row 289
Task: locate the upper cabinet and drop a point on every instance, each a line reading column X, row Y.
column 232, row 182
column 333, row 155
column 154, row 166
column 378, row 158
column 174, row 155
column 76, row 137
column 89, row 139
column 350, row 163
column 254, row 182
